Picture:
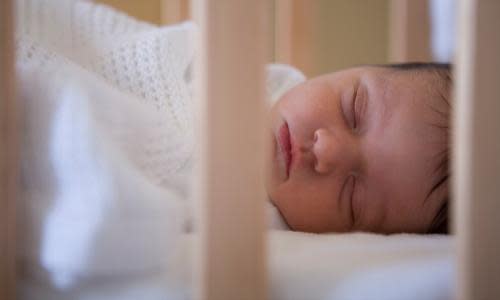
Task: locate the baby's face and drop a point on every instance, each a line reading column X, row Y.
column 356, row 150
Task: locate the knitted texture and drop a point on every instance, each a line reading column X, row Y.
column 140, row 59
column 136, row 57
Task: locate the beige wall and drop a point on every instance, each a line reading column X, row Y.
column 327, row 35
column 348, row 33
column 332, row 35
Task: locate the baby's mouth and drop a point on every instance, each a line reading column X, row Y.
column 285, row 146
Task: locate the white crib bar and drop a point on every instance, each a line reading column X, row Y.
column 231, row 261
column 477, row 144
column 8, row 154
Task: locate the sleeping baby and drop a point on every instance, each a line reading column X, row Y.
column 364, row 149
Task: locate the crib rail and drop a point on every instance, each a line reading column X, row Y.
column 477, row 150
column 231, row 71
column 8, row 154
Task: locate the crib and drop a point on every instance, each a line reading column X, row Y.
column 476, row 145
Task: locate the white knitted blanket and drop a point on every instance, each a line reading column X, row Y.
column 108, row 144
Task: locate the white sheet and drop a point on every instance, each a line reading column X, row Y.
column 356, row 266
column 302, row 267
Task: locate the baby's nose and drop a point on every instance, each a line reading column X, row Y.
column 331, row 152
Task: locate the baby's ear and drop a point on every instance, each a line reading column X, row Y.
column 280, row 78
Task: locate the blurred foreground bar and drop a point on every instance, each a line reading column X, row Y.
column 8, row 154
column 234, row 35
column 476, row 165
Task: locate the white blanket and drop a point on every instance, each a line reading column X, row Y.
column 89, row 207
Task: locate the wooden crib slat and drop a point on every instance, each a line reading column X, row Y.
column 283, row 31
column 409, row 35
column 174, row 11
column 232, row 259
column 293, row 26
column 476, row 167
column 8, row 154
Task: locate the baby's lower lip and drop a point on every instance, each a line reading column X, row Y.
column 285, row 146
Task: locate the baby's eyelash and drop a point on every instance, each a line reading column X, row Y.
column 353, row 109
column 353, row 216
column 347, row 194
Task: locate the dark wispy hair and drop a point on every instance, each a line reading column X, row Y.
column 442, row 71
column 429, row 66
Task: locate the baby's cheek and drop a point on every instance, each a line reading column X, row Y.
column 288, row 205
column 300, row 215
column 295, row 219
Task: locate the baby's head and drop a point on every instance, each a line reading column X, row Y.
column 364, row 149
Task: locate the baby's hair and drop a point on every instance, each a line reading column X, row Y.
column 441, row 76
